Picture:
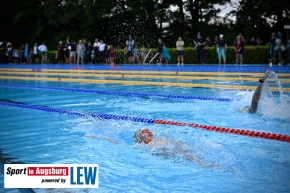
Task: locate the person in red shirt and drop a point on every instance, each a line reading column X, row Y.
column 111, row 53
column 239, row 48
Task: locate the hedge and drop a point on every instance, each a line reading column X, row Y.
column 252, row 55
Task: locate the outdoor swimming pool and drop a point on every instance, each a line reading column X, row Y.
column 195, row 160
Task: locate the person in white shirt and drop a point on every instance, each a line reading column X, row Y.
column 96, row 46
column 102, row 48
column 43, row 49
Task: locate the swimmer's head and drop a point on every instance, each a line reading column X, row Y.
column 143, row 135
column 243, row 109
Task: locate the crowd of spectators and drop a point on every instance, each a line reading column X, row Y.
column 83, row 52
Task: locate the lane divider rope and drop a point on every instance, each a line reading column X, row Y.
column 125, row 82
column 122, row 93
column 144, row 76
column 258, row 74
column 264, row 135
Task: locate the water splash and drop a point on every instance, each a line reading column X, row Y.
column 273, row 75
column 272, row 105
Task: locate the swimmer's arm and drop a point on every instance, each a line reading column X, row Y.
column 257, row 94
column 99, row 138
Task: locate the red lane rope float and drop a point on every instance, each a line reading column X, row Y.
column 272, row 136
column 264, row 135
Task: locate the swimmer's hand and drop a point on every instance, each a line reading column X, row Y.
column 266, row 75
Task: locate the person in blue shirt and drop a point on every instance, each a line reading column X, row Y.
column 130, row 46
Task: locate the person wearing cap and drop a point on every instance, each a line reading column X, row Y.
column 143, row 136
column 221, row 47
column 199, row 43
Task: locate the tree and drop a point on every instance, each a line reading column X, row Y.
column 259, row 18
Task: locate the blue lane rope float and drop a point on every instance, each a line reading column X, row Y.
column 122, row 93
column 271, row 136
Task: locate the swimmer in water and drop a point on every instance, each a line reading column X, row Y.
column 143, row 136
column 169, row 148
column 257, row 95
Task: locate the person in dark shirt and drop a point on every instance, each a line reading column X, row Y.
column 199, row 43
column 72, row 46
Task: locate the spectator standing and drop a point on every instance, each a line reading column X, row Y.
column 239, row 48
column 72, row 46
column 102, row 50
column 27, row 53
column 163, row 52
column 278, row 48
column 180, row 51
column 80, row 52
column 199, row 43
column 66, row 54
column 130, row 45
column 221, row 47
column 166, row 54
column 96, row 46
column 160, row 49
column 9, row 52
column 111, row 52
column 43, row 49
column 85, row 43
column 143, row 52
column 271, row 47
column 60, row 55
column 16, row 56
column 89, row 51
column 35, row 53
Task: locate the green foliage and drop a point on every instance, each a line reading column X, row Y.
column 53, row 20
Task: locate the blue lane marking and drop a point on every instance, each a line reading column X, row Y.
column 122, row 93
column 76, row 113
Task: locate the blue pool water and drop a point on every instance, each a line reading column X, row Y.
column 193, row 160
